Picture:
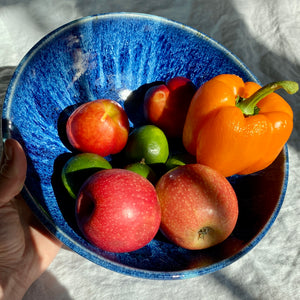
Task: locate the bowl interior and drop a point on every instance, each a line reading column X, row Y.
column 118, row 56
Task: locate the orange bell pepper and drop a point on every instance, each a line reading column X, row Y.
column 237, row 127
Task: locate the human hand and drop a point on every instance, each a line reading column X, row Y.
column 26, row 247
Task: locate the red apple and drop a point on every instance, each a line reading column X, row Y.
column 100, row 126
column 199, row 207
column 166, row 106
column 118, row 210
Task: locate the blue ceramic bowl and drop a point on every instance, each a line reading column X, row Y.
column 111, row 56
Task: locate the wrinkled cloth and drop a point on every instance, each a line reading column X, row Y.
column 265, row 35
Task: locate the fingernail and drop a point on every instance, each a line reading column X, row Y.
column 8, row 152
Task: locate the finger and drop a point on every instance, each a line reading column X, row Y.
column 28, row 218
column 12, row 170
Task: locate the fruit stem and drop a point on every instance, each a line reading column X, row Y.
column 248, row 105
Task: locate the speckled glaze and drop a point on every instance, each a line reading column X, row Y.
column 109, row 56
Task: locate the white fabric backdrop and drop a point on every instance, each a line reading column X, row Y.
column 265, row 34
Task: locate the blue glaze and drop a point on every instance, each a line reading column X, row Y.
column 108, row 56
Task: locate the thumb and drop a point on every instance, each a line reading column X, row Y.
column 12, row 170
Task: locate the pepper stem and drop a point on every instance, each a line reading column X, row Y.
column 248, row 105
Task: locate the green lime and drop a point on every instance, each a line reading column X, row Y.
column 142, row 169
column 180, row 160
column 148, row 143
column 78, row 168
